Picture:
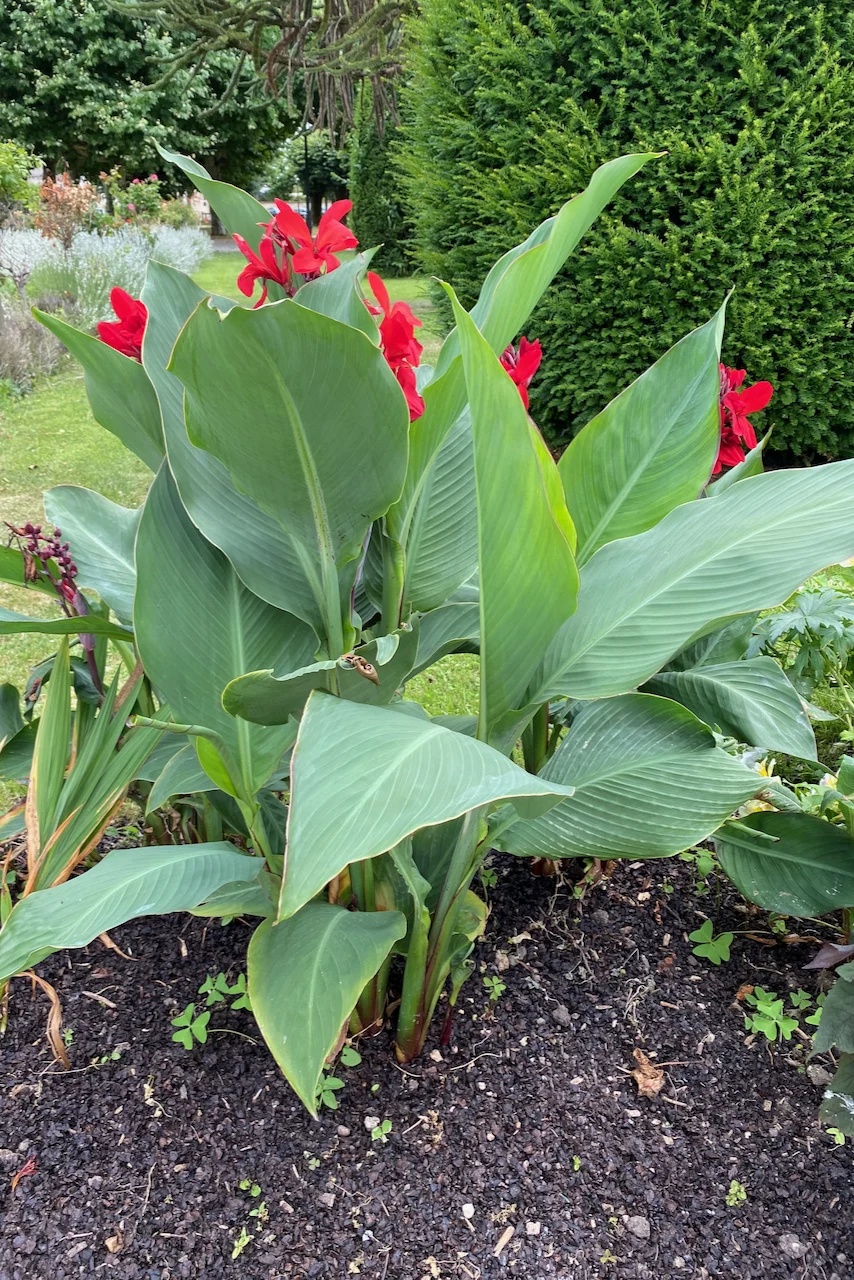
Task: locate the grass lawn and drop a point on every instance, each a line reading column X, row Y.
column 49, row 437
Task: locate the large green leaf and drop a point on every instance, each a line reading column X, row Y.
column 651, row 448
column 305, row 976
column 121, row 396
column 837, row 1107
column 448, row 629
column 125, row 884
column 791, row 863
column 727, row 642
column 101, row 536
column 50, row 756
column 645, row 597
column 198, row 626
column 308, row 419
column 181, row 775
column 752, row 701
column 364, row 778
column 13, row 569
column 649, row 782
column 228, row 519
column 337, row 294
column 441, row 549
column 836, row 1028
column 17, row 624
column 11, row 720
column 265, row 698
column 16, row 757
column 526, row 569
column 509, row 295
column 236, row 209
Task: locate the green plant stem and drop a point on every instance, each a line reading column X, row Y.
column 535, row 740
column 394, row 571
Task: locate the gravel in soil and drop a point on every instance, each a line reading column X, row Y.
column 523, row 1149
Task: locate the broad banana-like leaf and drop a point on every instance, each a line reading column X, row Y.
column 648, row 782
column 837, row 1107
column 16, row 624
column 308, row 419
column 305, row 976
column 837, row 1015
column 337, row 295
column 237, row 210
column 101, row 536
column 16, row 757
column 125, row 884
column 397, row 773
column 182, row 775
column 651, row 448
column 645, row 597
column 752, row 701
column 791, row 863
column 228, row 519
column 441, row 548
column 198, row 627
column 526, row 569
column 11, row 720
column 726, row 643
column 120, row 393
column 50, row 756
column 750, row 465
column 449, row 629
column 265, row 698
column 255, row 897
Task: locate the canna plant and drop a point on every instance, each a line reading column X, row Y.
column 327, row 518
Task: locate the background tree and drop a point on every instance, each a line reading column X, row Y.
column 376, row 191
column 311, row 163
column 513, row 104
column 79, row 89
column 16, row 192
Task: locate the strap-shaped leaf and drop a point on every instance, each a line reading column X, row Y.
column 17, row 624
column 449, row 629
column 101, row 536
column 337, row 294
column 50, row 757
column 198, row 627
column 649, row 781
column 13, row 569
column 181, row 775
column 526, row 569
column 125, row 884
column 121, row 396
column 752, row 701
column 509, row 294
column 364, row 778
column 789, row 862
column 441, row 549
column 228, row 519
column 643, row 598
column 305, row 976
column 308, row 419
column 651, row 448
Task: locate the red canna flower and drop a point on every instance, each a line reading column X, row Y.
column 264, row 265
column 126, row 333
column 736, row 428
column 399, row 345
column 522, row 364
column 312, row 255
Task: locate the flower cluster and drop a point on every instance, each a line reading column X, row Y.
column 39, row 549
column 522, row 363
column 736, row 429
column 400, row 347
column 288, row 249
column 126, row 333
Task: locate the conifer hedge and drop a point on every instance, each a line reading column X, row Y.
column 512, row 105
column 378, row 215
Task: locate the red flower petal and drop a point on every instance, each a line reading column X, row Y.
column 290, row 224
column 754, row 398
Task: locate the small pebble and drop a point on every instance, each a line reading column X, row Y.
column 468, row 1211
column 638, row 1227
column 532, row 1228
column 792, row 1246
column 561, row 1015
column 95, row 1182
column 818, row 1075
column 371, row 1122
column 327, row 1200
column 8, row 1159
column 343, row 1131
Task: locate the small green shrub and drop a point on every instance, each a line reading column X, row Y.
column 511, row 103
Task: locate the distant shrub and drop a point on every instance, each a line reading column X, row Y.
column 378, row 214
column 174, row 213
column 511, row 106
column 17, row 193
column 26, row 347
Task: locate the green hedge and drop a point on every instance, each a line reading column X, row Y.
column 510, row 108
column 375, row 188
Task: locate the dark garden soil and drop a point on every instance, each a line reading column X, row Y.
column 523, row 1150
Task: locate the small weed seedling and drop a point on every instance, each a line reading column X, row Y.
column 260, row 1212
column 191, row 1028
column 381, row 1131
column 106, row 1058
column 311, row 1161
column 576, row 1163
column 737, row 1193
column 350, row 1057
column 837, row 1135
column 800, row 999
column 253, row 1188
column 218, row 989
column 711, row 946
column 703, row 864
column 326, row 1091
column 769, row 1019
column 488, row 877
column 240, row 1243
column 814, row 1018
column 68, row 1036
column 495, row 987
